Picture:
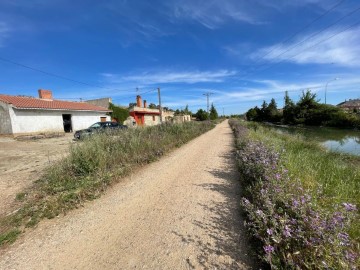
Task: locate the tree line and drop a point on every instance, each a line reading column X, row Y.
column 307, row 111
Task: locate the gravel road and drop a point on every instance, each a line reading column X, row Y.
column 181, row 212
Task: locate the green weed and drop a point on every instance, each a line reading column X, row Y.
column 9, row 237
column 92, row 166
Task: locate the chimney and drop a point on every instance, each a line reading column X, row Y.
column 45, row 94
column 138, row 101
column 144, row 103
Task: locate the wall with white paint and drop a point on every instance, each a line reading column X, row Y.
column 38, row 121
column 81, row 120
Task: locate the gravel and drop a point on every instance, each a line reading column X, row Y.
column 181, row 212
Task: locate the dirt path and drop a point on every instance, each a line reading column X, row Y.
column 178, row 213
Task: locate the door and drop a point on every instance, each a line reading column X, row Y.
column 67, row 123
column 103, row 119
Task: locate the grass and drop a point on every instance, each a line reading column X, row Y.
column 9, row 237
column 300, row 199
column 331, row 178
column 90, row 168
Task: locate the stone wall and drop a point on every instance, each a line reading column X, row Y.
column 152, row 120
column 5, row 121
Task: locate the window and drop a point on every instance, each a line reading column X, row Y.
column 96, row 125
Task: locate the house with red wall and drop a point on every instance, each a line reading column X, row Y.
column 144, row 116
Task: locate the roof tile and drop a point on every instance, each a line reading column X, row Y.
column 37, row 103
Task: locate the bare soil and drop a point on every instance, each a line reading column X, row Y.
column 181, row 212
column 22, row 162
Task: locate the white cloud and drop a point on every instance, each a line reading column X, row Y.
column 213, row 14
column 188, row 77
column 342, row 49
column 4, row 32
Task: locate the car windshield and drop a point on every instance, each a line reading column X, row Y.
column 96, row 125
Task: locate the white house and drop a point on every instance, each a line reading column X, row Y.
column 27, row 115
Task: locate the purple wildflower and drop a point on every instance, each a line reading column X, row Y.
column 295, row 203
column 351, row 256
column 287, row 231
column 303, row 199
column 269, row 249
column 349, row 207
column 269, row 231
column 344, row 238
column 338, row 218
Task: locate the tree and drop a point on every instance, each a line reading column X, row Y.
column 118, row 113
column 252, row 115
column 213, row 112
column 289, row 111
column 272, row 113
column 305, row 106
column 152, row 106
column 186, row 111
column 308, row 100
column 201, row 115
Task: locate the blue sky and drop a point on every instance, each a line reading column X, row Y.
column 242, row 51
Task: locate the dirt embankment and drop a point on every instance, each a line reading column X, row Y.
column 21, row 163
column 181, row 212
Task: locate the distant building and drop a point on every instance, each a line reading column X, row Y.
column 350, row 105
column 102, row 102
column 145, row 116
column 28, row 115
column 181, row 118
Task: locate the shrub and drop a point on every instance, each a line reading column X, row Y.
column 91, row 167
column 294, row 232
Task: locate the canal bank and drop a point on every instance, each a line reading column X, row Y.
column 301, row 201
column 334, row 139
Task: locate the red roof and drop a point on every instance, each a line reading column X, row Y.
column 37, row 103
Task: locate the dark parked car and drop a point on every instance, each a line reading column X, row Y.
column 98, row 127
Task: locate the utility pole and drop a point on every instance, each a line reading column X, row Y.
column 160, row 109
column 223, row 112
column 208, row 94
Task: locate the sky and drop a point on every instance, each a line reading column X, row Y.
column 240, row 51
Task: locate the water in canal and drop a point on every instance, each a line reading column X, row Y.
column 338, row 140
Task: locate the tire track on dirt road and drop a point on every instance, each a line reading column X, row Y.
column 181, row 212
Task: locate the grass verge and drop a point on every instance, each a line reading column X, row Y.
column 300, row 201
column 90, row 168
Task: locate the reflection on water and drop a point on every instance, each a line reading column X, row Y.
column 339, row 140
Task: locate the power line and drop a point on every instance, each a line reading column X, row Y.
column 208, row 94
column 311, row 36
column 58, row 76
column 302, row 29
column 316, row 44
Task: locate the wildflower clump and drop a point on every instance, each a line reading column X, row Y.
column 293, row 231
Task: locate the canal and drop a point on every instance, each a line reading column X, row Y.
column 338, row 140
